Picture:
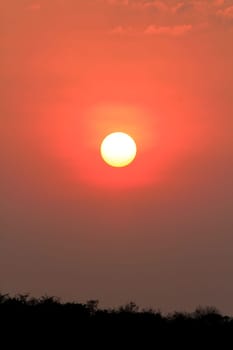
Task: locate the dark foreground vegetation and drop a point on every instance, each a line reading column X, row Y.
column 49, row 315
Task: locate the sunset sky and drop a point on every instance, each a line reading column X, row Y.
column 158, row 232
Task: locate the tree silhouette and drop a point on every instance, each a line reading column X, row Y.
column 49, row 316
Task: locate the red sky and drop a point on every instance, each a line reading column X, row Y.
column 158, row 232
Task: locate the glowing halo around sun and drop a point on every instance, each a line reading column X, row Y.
column 118, row 149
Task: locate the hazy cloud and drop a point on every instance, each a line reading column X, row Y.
column 171, row 18
column 226, row 13
column 177, row 30
column 170, row 6
column 156, row 4
column 118, row 2
column 120, row 30
column 181, row 7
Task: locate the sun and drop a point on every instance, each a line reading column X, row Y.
column 118, row 149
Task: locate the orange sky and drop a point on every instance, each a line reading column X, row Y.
column 159, row 230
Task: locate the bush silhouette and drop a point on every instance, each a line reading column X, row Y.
column 48, row 315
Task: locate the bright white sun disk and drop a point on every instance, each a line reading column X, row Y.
column 118, row 149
